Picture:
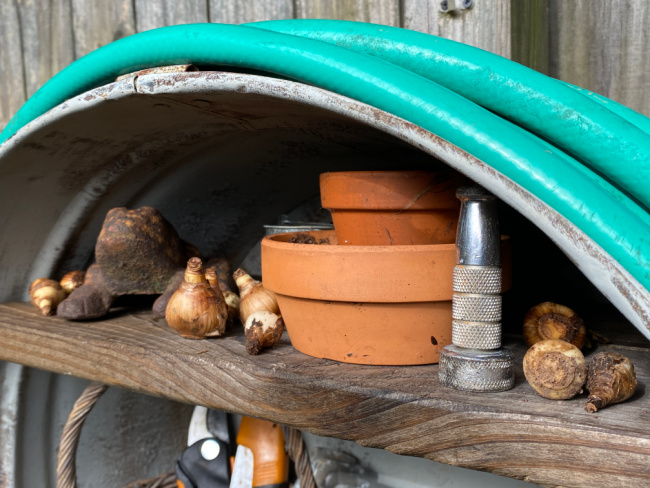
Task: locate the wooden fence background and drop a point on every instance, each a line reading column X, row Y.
column 601, row 45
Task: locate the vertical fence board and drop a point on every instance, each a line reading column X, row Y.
column 529, row 33
column 486, row 25
column 418, row 14
column 151, row 14
column 12, row 76
column 36, row 42
column 99, row 23
column 229, row 12
column 63, row 41
column 604, row 47
column 385, row 12
column 47, row 40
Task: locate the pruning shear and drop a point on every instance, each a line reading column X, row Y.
column 260, row 459
column 206, row 461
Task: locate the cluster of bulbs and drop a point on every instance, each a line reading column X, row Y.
column 202, row 306
column 556, row 368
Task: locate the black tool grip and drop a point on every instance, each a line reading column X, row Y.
column 201, row 472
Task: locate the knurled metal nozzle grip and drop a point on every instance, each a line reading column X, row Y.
column 476, row 302
column 475, row 361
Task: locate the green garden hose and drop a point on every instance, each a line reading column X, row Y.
column 584, row 128
column 614, row 221
column 632, row 116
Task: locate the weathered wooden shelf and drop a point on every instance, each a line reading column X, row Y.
column 402, row 409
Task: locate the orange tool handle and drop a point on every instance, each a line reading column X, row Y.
column 270, row 461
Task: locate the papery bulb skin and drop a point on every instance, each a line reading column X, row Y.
column 254, row 297
column 46, row 294
column 233, row 303
column 555, row 369
column 72, row 280
column 552, row 321
column 263, row 329
column 230, row 297
column 224, row 273
column 610, row 379
column 195, row 310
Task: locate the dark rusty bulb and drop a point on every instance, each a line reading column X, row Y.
column 555, row 369
column 610, row 379
column 552, row 321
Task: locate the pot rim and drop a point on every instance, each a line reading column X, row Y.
column 281, row 240
column 373, row 274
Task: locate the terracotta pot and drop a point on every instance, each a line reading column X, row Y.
column 384, row 208
column 368, row 333
column 387, row 305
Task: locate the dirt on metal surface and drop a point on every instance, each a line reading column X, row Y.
column 177, row 68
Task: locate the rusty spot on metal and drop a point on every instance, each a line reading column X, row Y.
column 177, row 68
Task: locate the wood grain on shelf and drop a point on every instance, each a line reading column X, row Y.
column 402, row 409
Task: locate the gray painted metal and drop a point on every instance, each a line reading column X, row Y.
column 11, row 376
column 190, row 114
column 409, row 472
column 220, row 154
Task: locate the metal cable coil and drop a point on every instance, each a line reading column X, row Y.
column 67, row 469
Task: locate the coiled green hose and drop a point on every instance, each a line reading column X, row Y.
column 603, row 138
column 632, row 116
column 594, row 205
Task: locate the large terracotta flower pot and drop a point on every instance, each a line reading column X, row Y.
column 387, row 305
column 388, row 208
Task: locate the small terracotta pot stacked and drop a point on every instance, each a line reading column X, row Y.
column 392, row 208
column 380, row 292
